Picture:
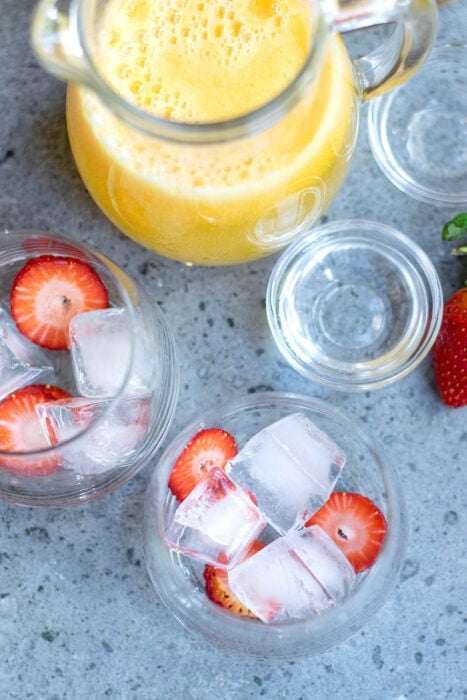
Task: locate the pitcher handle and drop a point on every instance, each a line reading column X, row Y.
column 402, row 53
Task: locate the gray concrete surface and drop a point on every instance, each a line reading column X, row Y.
column 78, row 615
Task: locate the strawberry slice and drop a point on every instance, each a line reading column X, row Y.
column 48, row 291
column 218, row 589
column 211, row 447
column 20, row 427
column 355, row 524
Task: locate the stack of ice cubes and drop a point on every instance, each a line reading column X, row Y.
column 280, row 477
column 114, row 399
column 100, row 348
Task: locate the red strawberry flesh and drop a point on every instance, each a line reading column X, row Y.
column 48, row 291
column 218, row 589
column 449, row 352
column 20, row 428
column 209, row 448
column 355, row 524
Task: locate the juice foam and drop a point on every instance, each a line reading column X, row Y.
column 187, row 60
column 202, row 62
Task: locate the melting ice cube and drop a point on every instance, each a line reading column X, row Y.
column 21, row 361
column 298, row 575
column 291, row 467
column 323, row 559
column 101, row 353
column 115, row 432
column 216, row 523
column 275, row 586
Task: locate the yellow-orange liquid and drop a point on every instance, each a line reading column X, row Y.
column 203, row 62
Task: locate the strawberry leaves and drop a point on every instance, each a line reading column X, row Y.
column 454, row 230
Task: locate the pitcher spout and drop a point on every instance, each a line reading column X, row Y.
column 56, row 43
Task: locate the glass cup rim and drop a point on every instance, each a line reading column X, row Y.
column 383, row 153
column 365, row 230
column 351, row 614
column 100, row 259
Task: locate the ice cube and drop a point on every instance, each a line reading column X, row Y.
column 291, row 467
column 323, row 559
column 101, row 353
column 216, row 523
column 276, row 586
column 21, row 361
column 114, row 431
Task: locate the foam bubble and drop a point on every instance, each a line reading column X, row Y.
column 181, row 44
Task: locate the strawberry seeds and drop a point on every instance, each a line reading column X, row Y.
column 71, row 369
column 261, row 560
column 48, row 292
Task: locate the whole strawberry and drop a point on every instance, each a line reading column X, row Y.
column 449, row 353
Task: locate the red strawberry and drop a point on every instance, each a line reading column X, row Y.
column 48, row 291
column 211, row 447
column 218, row 589
column 355, row 524
column 20, row 428
column 449, row 353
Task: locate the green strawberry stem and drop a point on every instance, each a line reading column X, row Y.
column 455, row 229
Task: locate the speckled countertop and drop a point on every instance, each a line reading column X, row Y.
column 78, row 615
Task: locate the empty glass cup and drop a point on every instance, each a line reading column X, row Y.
column 354, row 305
column 418, row 133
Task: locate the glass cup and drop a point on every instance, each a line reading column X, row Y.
column 178, row 579
column 354, row 305
column 106, row 439
column 418, row 133
column 212, row 133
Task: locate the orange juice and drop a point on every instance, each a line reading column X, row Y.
column 197, row 62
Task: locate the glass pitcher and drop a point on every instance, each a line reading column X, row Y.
column 214, row 132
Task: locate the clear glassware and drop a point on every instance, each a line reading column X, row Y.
column 239, row 172
column 179, row 580
column 354, row 304
column 418, row 134
column 82, row 471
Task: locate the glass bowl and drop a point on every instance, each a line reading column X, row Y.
column 114, row 437
column 354, row 305
column 179, row 581
column 418, row 133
